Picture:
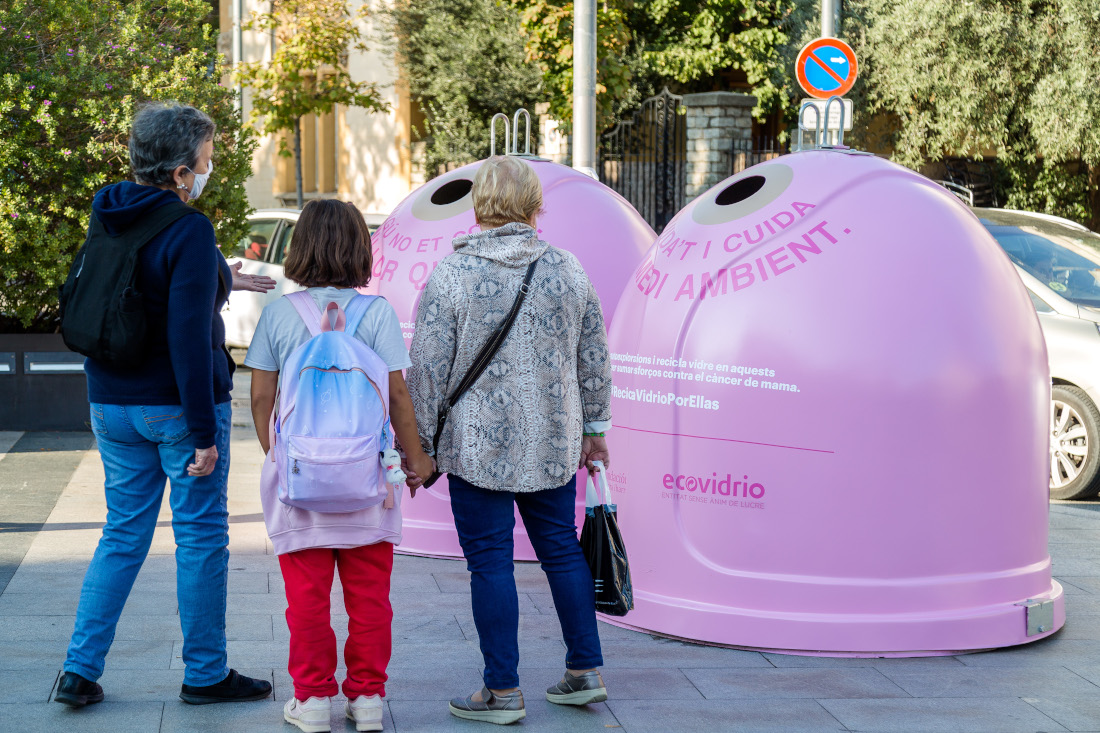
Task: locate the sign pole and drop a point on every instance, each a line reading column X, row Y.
column 828, row 30
column 829, row 14
column 238, row 47
column 584, row 87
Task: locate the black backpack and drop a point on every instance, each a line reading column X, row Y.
column 102, row 310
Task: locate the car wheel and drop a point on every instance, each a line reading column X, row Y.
column 1074, row 444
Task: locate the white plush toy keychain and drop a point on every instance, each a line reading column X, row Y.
column 391, row 462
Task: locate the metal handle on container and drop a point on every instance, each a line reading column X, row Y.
column 493, row 134
column 515, row 132
column 817, row 125
column 840, row 131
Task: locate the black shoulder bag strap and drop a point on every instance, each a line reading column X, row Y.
column 480, row 363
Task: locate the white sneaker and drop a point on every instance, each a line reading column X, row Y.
column 366, row 711
column 312, row 716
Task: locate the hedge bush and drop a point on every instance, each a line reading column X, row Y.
column 72, row 75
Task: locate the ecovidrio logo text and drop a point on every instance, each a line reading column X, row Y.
column 715, row 485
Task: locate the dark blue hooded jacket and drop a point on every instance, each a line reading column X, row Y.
column 186, row 363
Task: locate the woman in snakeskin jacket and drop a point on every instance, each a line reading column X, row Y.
column 539, row 411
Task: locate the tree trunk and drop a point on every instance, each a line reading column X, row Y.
column 298, row 160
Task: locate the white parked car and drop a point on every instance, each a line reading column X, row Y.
column 1059, row 263
column 262, row 251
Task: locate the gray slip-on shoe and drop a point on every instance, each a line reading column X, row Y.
column 499, row 709
column 578, row 689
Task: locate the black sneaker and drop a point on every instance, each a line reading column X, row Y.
column 234, row 688
column 75, row 691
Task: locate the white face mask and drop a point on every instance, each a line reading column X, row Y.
column 200, row 181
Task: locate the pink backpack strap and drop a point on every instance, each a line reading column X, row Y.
column 326, row 318
column 303, row 303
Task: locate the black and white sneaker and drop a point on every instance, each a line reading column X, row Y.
column 75, row 691
column 578, row 689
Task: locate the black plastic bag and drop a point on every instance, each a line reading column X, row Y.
column 605, row 552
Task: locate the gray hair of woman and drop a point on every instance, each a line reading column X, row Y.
column 505, row 190
column 165, row 136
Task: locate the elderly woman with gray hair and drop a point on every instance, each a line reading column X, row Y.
column 517, row 437
column 166, row 417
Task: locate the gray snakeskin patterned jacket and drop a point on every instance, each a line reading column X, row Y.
column 519, row 427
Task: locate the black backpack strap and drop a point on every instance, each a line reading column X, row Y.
column 488, row 351
column 157, row 220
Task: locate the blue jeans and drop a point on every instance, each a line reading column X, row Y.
column 141, row 447
column 485, row 520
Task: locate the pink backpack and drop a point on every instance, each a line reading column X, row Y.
column 332, row 436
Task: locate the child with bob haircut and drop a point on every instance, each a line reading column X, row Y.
column 330, row 254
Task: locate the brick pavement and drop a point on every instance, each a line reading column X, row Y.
column 655, row 684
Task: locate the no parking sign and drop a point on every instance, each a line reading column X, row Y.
column 826, row 68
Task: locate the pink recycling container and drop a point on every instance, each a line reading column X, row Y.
column 831, row 404
column 579, row 215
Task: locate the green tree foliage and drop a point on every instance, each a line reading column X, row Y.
column 548, row 29
column 1015, row 78
column 464, row 60
column 72, row 73
column 308, row 71
column 646, row 45
column 690, row 41
column 799, row 23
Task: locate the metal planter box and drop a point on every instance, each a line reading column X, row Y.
column 42, row 384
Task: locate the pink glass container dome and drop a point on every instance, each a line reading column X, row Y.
column 580, row 215
column 831, row 399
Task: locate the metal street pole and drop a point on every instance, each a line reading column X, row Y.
column 829, row 14
column 584, row 87
column 238, row 45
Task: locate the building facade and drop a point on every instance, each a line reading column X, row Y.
column 352, row 154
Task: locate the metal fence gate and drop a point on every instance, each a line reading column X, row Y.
column 747, row 153
column 976, row 176
column 645, row 158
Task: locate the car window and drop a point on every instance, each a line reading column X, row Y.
column 254, row 245
column 1040, row 304
column 283, row 245
column 1048, row 256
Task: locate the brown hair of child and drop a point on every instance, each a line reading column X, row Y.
column 330, row 247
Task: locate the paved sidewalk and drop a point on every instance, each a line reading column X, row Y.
column 655, row 684
column 34, row 470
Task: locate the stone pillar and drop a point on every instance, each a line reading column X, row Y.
column 714, row 121
column 551, row 143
